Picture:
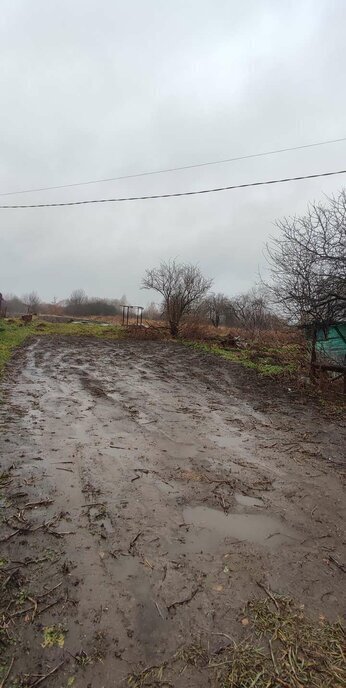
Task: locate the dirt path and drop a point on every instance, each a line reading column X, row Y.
column 177, row 484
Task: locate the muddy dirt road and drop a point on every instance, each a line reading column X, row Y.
column 148, row 490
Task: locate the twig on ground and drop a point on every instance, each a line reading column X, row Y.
column 39, row 597
column 41, row 502
column 185, row 600
column 3, row 682
column 337, row 563
column 8, row 537
column 34, row 602
column 159, row 610
column 48, row 606
column 89, row 506
column 134, row 540
column 219, row 482
column 6, row 582
column 43, row 678
column 268, row 593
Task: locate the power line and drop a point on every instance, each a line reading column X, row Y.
column 173, row 169
column 175, row 195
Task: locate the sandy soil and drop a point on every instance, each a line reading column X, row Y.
column 173, row 483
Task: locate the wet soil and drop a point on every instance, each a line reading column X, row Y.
column 148, row 490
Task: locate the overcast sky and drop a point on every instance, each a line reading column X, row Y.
column 92, row 89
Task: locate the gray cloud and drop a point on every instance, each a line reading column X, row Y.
column 92, row 89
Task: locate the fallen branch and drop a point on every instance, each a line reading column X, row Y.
column 35, row 603
column 219, row 482
column 337, row 563
column 89, row 506
column 33, row 610
column 185, row 600
column 6, row 582
column 39, row 597
column 3, row 682
column 268, row 593
column 17, row 495
column 43, row 678
column 134, row 540
column 8, row 537
column 48, row 606
column 41, row 502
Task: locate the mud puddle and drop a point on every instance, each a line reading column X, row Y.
column 245, row 500
column 109, row 463
column 210, row 526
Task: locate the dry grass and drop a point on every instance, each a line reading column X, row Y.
column 284, row 649
column 148, row 332
column 148, row 677
column 296, row 652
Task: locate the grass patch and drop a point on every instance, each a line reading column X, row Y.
column 283, row 648
column 271, row 361
column 13, row 334
column 53, row 635
column 287, row 649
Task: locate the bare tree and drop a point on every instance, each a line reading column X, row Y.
column 182, row 286
column 76, row 302
column 308, row 263
column 32, row 302
column 252, row 312
column 14, row 304
column 216, row 307
column 152, row 311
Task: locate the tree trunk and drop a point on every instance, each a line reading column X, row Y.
column 173, row 326
column 313, row 372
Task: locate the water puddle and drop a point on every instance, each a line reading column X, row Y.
column 211, row 527
column 230, row 441
column 178, row 450
column 244, row 500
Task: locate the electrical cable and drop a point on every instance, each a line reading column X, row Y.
column 175, row 195
column 174, row 169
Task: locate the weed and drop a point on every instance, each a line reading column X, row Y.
column 53, row 636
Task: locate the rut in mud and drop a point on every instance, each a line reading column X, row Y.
column 151, row 489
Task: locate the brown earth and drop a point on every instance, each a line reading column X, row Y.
column 172, row 484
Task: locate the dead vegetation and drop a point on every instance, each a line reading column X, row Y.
column 282, row 648
column 279, row 354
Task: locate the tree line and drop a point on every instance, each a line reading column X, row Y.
column 78, row 304
column 307, row 283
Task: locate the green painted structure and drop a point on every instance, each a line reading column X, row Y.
column 331, row 343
